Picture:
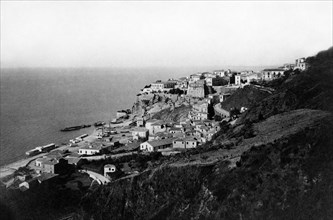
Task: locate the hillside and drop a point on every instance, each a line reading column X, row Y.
column 310, row 89
column 244, row 97
column 276, row 163
column 173, row 115
column 284, row 177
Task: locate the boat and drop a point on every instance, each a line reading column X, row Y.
column 73, row 128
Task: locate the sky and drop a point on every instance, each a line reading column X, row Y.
column 162, row 34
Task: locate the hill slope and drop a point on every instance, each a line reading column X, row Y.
column 287, row 176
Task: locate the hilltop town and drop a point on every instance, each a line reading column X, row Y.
column 195, row 107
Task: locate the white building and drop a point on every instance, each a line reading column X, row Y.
column 109, row 168
column 301, row 64
column 270, row 74
column 185, row 143
column 90, row 150
column 156, row 145
column 140, row 133
column 157, row 86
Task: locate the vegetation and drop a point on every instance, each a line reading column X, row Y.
column 284, row 172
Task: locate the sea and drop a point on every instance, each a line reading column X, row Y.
column 36, row 103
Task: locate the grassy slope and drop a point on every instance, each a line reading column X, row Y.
column 175, row 115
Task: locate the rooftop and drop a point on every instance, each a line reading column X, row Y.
column 160, row 142
column 140, row 129
column 274, row 69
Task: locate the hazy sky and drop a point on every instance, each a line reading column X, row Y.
column 143, row 34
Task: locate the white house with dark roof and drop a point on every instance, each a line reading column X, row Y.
column 270, row 74
column 156, row 145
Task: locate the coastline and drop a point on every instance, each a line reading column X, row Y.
column 8, row 169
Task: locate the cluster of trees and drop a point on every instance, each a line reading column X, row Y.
column 177, row 91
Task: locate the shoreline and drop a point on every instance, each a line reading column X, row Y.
column 10, row 168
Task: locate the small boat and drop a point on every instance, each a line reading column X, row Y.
column 73, row 128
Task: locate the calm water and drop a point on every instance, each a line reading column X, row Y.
column 37, row 103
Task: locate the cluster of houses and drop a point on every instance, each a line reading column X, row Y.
column 195, row 83
column 157, row 135
column 204, row 92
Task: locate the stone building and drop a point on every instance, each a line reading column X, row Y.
column 301, row 64
column 196, row 89
column 270, row 74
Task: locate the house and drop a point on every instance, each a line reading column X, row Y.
column 209, row 81
column 109, row 168
column 270, row 74
column 179, row 143
column 140, row 133
column 199, row 111
column 140, row 122
column 154, row 126
column 237, row 79
column 159, row 126
column 170, row 84
column 73, row 160
column 156, row 145
column 196, row 89
column 55, row 166
column 248, row 76
column 90, row 150
column 301, row 64
column 195, row 77
column 220, row 73
column 175, row 130
column 157, row 86
column 185, row 143
column 224, row 96
column 39, row 161
column 182, row 83
column 149, row 123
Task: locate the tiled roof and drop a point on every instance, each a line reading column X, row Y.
column 140, row 129
column 276, row 69
column 160, row 142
